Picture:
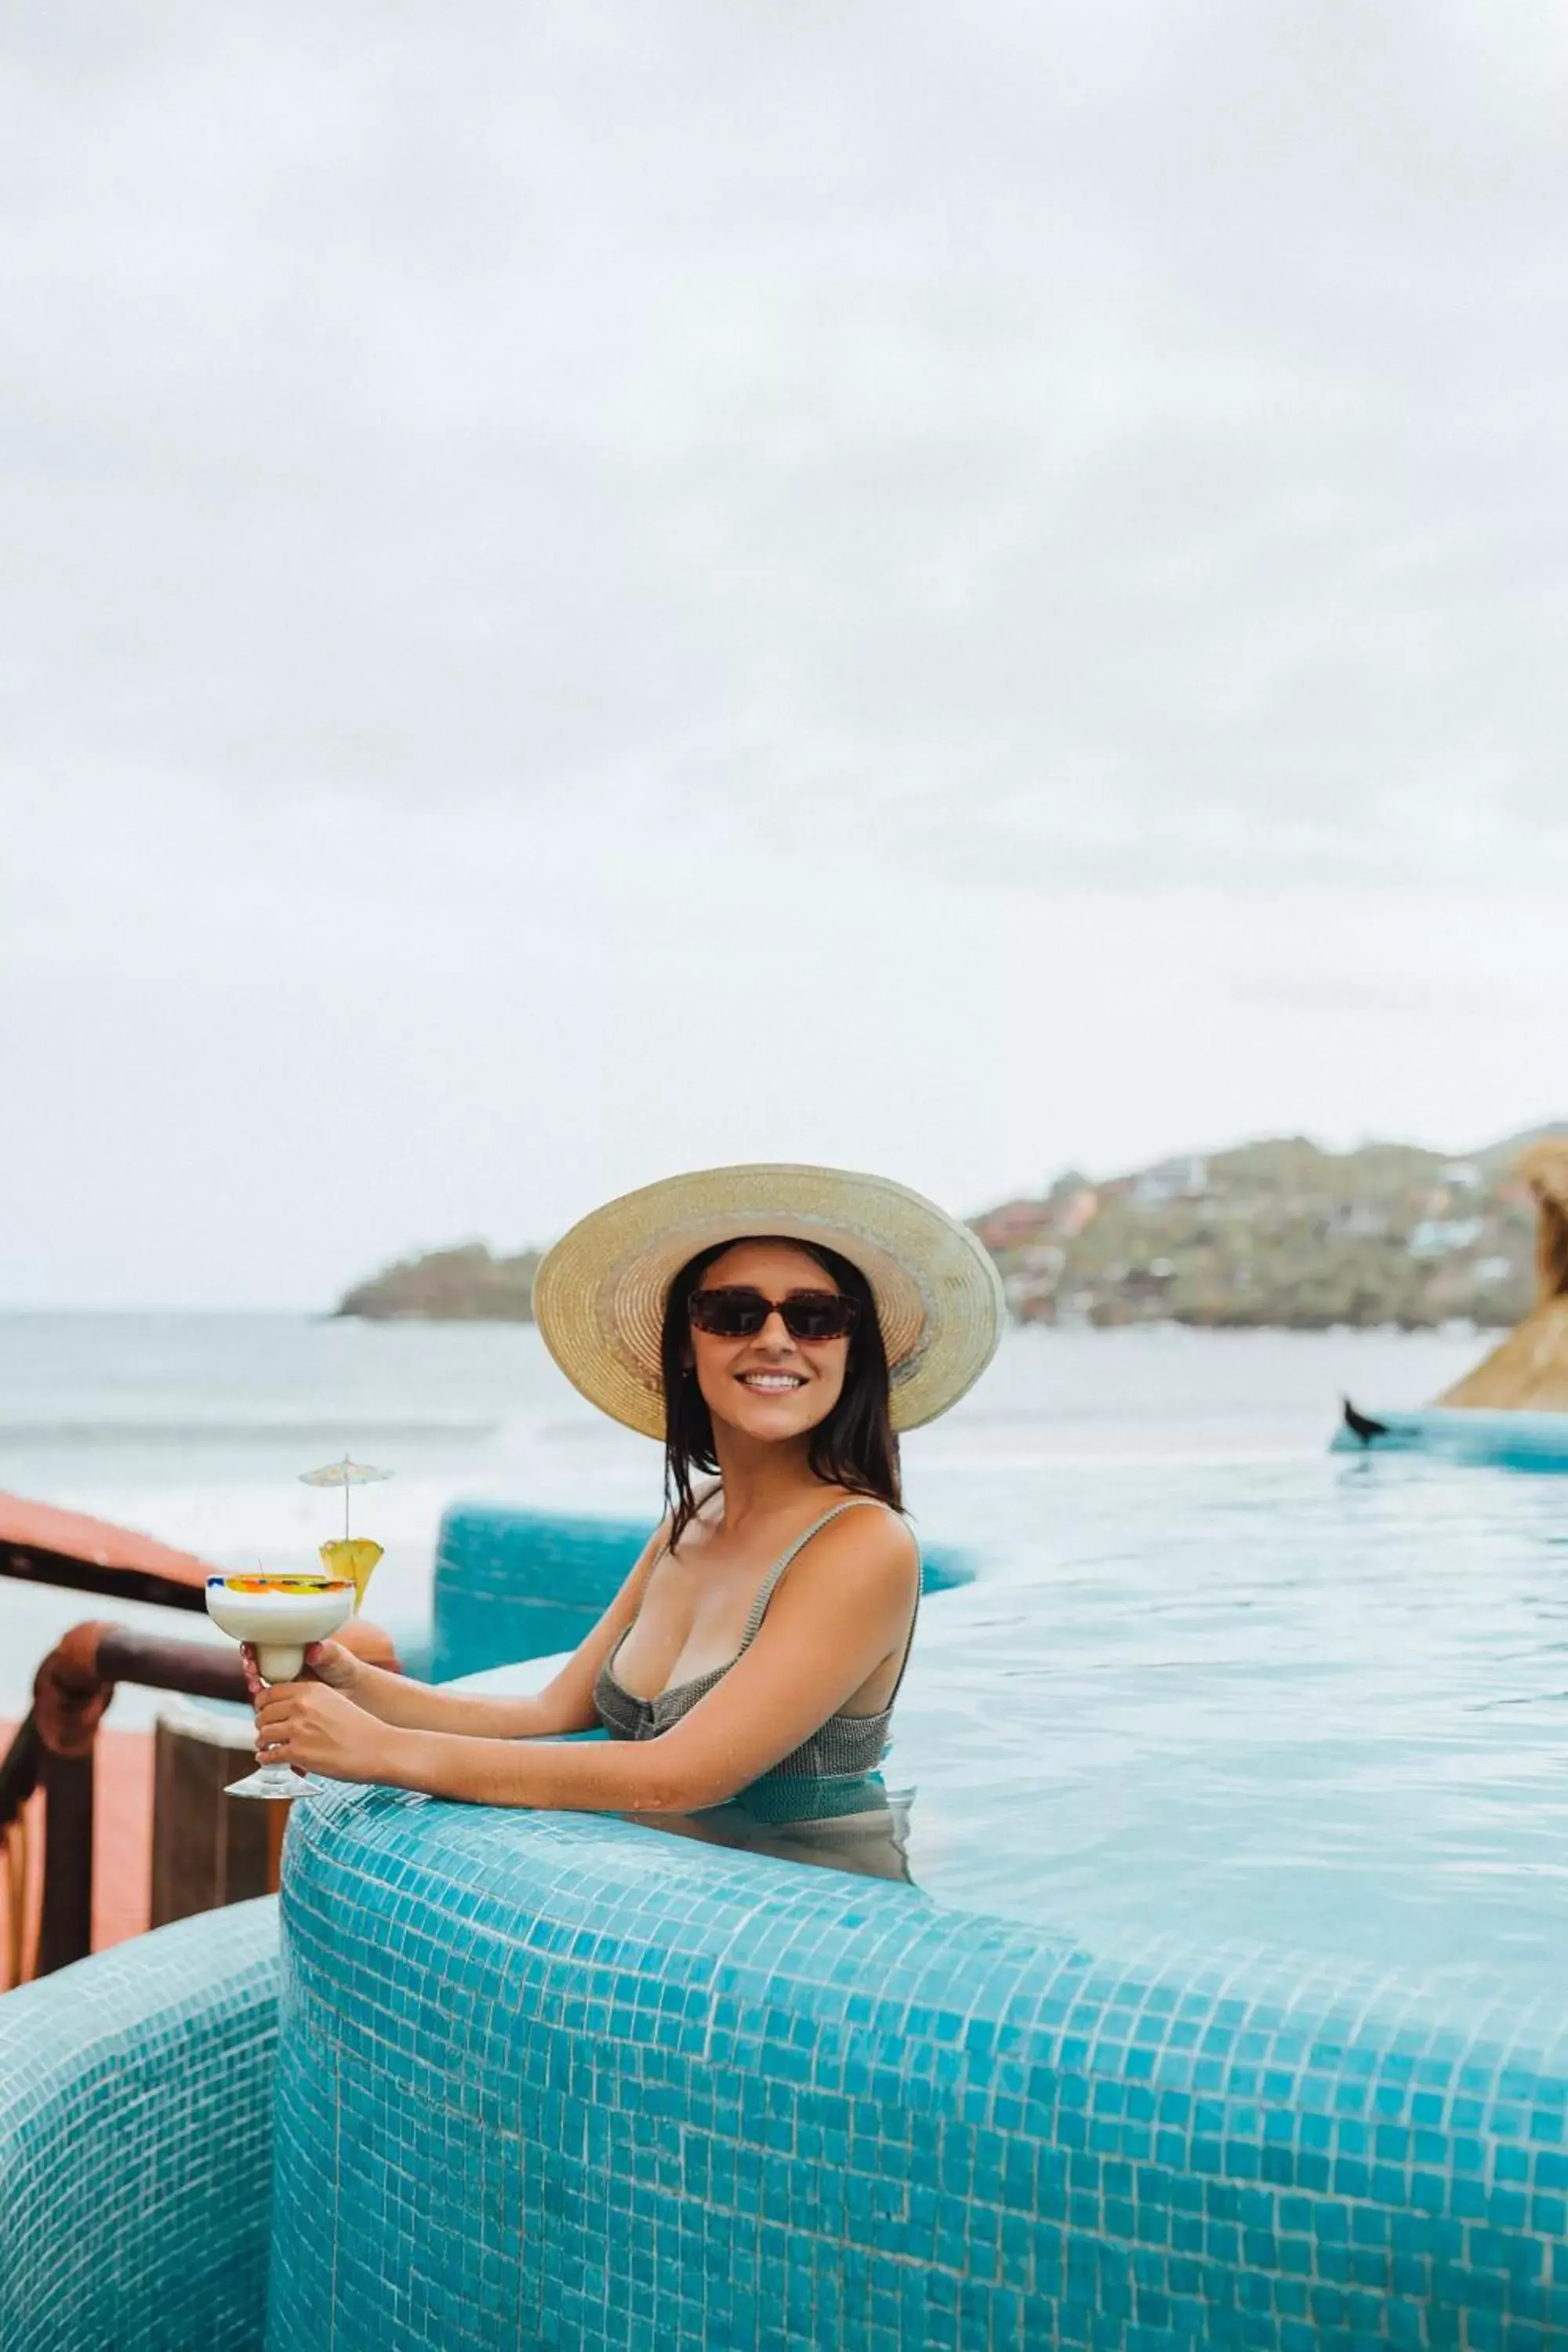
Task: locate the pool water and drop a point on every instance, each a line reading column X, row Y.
column 1313, row 1709
column 1317, row 1706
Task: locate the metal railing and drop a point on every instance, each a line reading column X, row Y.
column 54, row 1748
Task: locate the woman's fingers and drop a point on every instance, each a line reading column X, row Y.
column 330, row 1662
column 281, row 1709
column 272, row 1712
column 316, row 1729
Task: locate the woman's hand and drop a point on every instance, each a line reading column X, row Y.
column 325, row 1662
column 317, row 1730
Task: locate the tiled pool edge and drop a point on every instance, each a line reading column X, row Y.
column 511, row 1583
column 546, row 2081
column 135, row 2143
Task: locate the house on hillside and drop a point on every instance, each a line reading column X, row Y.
column 1186, row 1179
column 1440, row 1236
column 1014, row 1226
column 1358, row 1221
column 1075, row 1211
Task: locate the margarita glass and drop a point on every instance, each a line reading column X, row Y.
column 281, row 1615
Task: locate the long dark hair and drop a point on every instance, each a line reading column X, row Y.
column 853, row 1447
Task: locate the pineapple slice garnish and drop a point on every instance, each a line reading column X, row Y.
column 352, row 1556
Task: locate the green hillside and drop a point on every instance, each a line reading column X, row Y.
column 465, row 1284
column 1276, row 1234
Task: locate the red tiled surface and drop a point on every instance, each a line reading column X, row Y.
column 122, row 1841
column 76, row 1537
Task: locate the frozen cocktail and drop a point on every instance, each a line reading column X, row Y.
column 280, row 1615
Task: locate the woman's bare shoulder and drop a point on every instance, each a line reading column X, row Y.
column 874, row 1539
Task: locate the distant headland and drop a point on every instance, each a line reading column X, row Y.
column 466, row 1285
column 1279, row 1234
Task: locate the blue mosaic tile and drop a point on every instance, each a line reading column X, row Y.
column 562, row 2082
column 135, row 2143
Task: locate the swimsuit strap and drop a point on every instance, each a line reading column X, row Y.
column 914, row 1620
column 771, row 1581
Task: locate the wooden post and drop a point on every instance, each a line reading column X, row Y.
column 65, row 1927
column 207, row 1848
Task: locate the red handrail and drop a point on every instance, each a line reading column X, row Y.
column 54, row 1748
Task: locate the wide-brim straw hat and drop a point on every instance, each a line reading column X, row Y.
column 599, row 1295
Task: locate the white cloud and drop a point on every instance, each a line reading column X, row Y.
column 586, row 589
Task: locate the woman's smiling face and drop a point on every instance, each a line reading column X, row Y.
column 770, row 1386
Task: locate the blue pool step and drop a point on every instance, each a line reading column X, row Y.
column 513, row 1583
column 1511, row 1441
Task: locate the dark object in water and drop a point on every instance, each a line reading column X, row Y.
column 1507, row 1441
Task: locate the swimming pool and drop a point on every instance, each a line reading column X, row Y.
column 1317, row 1707
column 1224, row 2008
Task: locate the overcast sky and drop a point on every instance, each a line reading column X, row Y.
column 593, row 589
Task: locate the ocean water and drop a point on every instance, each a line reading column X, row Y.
column 1213, row 1685
column 194, row 1429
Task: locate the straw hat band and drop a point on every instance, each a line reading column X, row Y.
column 600, row 1294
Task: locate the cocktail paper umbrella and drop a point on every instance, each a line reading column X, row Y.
column 345, row 1473
column 352, row 1556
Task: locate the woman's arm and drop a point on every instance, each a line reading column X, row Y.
column 843, row 1608
column 566, row 1703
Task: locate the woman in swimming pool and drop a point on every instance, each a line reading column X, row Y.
column 775, row 1326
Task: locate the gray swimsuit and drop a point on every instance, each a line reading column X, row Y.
column 846, row 1743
